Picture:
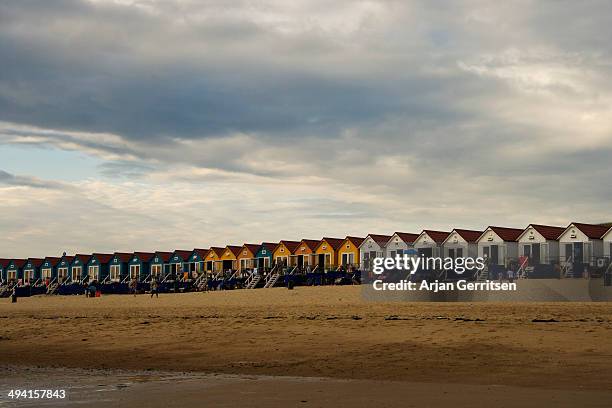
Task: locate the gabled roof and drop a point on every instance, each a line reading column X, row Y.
column 201, row 252
column 407, row 237
column 103, row 258
column 507, row 234
column 311, row 243
column 592, row 231
column 165, row 256
column 144, row 256
column 4, row 262
column 270, row 246
column 183, row 253
column 234, row 249
column 437, row 236
column 19, row 263
column 84, row 258
column 290, row 245
column 547, row 231
column 379, row 239
column 253, row 248
column 357, row 241
column 468, row 235
column 36, row 262
column 217, row 250
column 335, row 243
column 123, row 256
column 53, row 260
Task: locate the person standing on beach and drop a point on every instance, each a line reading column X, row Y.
column 154, row 290
column 133, row 286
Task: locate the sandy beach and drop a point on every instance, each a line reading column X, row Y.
column 320, row 332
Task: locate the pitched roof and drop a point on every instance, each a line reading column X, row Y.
column 592, row 231
column 235, row 249
column 19, row 262
column 311, row 243
column 468, row 235
column 507, row 234
column 123, row 256
column 407, row 237
column 183, row 253
column 103, row 258
column 165, row 256
column 437, row 236
column 36, row 262
column 53, row 259
column 4, row 262
column 290, row 245
column 357, row 241
column 144, row 256
column 548, row 231
column 217, row 250
column 270, row 246
column 253, row 248
column 201, row 252
column 380, row 239
column 335, row 243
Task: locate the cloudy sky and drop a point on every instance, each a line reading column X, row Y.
column 144, row 125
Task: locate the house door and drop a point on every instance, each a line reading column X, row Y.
column 451, row 253
column 578, row 254
column 300, row 261
column 535, row 253
column 426, row 252
column 227, row 265
column 494, row 254
column 321, row 261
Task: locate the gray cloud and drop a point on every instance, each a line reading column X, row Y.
column 9, row 179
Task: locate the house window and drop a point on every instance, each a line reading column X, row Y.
column 94, row 273
column 76, row 273
column 12, row 275
column 115, row 273
column 348, row 258
column 28, row 275
column 134, row 271
column 46, row 273
column 62, row 273
column 156, row 270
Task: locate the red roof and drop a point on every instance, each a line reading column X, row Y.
column 270, row 246
column 165, row 256
column 548, row 231
column 407, row 237
column 290, row 245
column 183, row 253
column 235, row 249
column 4, row 262
column 311, row 243
column 144, row 256
column 19, row 262
column 380, row 239
column 253, row 248
column 103, row 258
column 54, row 260
column 36, row 262
column 468, row 235
column 123, row 256
column 357, row 241
column 437, row 236
column 335, row 243
column 217, row 250
column 507, row 234
column 592, row 231
column 201, row 252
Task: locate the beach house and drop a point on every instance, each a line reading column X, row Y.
column 399, row 243
column 140, row 265
column 283, row 251
column 14, row 270
column 326, row 253
column 461, row 243
column 429, row 243
column 264, row 256
column 246, row 259
column 213, row 259
column 160, row 265
column 31, row 270
column 373, row 246
column 580, row 248
column 119, row 266
column 48, row 270
column 98, row 267
column 304, row 255
column 348, row 253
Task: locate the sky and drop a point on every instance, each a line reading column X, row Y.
column 159, row 125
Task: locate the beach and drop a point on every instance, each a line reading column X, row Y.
column 319, row 332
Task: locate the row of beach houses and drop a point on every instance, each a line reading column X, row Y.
column 541, row 249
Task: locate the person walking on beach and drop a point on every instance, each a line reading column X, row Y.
column 510, row 275
column 154, row 290
column 133, row 286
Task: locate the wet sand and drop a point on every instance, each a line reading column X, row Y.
column 114, row 388
column 324, row 332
